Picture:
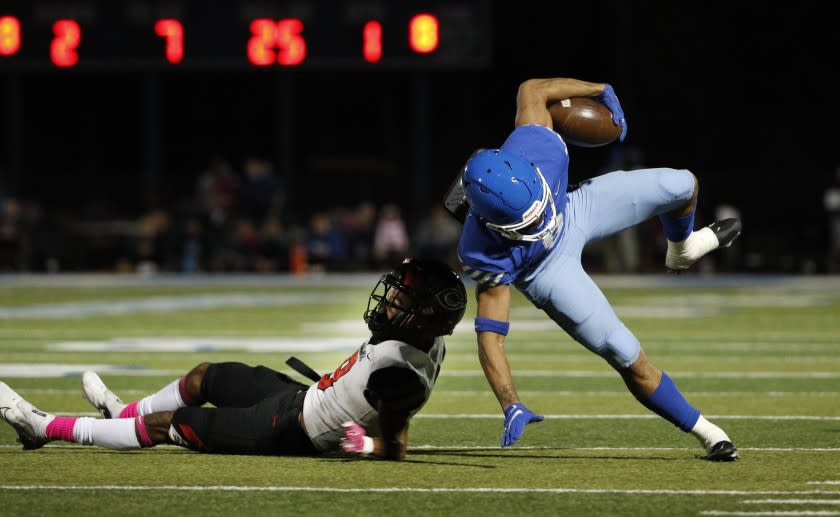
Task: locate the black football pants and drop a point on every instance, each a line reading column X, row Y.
column 256, row 412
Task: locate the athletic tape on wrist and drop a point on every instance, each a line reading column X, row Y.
column 367, row 445
column 489, row 325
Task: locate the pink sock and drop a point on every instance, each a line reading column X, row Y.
column 61, row 428
column 142, row 432
column 130, row 411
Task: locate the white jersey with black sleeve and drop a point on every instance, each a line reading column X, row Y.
column 340, row 396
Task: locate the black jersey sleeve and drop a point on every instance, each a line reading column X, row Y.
column 395, row 386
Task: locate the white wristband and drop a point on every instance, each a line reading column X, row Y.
column 367, row 445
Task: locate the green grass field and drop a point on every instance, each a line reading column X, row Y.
column 760, row 357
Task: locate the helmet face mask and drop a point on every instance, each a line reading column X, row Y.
column 511, row 195
column 420, row 299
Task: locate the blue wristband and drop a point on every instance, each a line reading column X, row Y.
column 488, row 325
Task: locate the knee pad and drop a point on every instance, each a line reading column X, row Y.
column 622, row 348
column 678, row 184
column 616, row 344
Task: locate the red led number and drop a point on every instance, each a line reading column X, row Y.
column 372, row 41
column 172, row 31
column 9, row 35
column 276, row 42
column 328, row 380
column 68, row 35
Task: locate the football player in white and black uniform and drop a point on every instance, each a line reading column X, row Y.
column 362, row 407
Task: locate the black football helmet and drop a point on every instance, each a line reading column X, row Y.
column 421, row 298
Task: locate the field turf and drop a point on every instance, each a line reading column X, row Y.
column 759, row 356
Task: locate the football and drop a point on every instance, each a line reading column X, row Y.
column 584, row 122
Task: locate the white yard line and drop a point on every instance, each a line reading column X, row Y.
column 483, row 416
column 431, row 490
column 791, row 501
column 792, row 513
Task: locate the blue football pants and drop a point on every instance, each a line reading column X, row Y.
column 602, row 206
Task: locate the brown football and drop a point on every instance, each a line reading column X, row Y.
column 583, row 121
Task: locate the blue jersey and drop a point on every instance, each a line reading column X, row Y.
column 487, row 257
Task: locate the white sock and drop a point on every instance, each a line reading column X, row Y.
column 708, row 433
column 167, row 399
column 683, row 254
column 114, row 433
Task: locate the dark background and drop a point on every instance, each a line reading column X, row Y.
column 739, row 93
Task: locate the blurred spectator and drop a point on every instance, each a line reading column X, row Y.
column 41, row 239
column 325, row 248
column 262, row 193
column 153, row 242
column 390, row 238
column 10, row 259
column 831, row 202
column 218, row 188
column 192, row 245
column 275, row 248
column 358, row 228
column 437, row 236
column 245, row 246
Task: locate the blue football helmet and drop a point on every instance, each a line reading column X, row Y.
column 510, row 194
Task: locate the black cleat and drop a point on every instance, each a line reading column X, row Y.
column 722, row 451
column 726, row 231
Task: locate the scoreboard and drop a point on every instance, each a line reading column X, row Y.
column 189, row 34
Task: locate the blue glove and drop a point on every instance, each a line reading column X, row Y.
column 610, row 100
column 517, row 416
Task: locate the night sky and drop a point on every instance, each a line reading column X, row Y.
column 738, row 93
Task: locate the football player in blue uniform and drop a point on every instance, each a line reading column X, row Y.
column 524, row 229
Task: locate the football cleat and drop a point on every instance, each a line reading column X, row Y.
column 99, row 396
column 29, row 422
column 726, row 231
column 720, row 234
column 723, row 450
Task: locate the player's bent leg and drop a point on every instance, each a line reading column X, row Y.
column 268, row 427
column 233, row 384
column 612, row 202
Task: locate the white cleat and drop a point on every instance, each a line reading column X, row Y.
column 720, row 234
column 29, row 421
column 100, row 397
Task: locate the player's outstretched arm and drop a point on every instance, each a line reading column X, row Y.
column 491, row 328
